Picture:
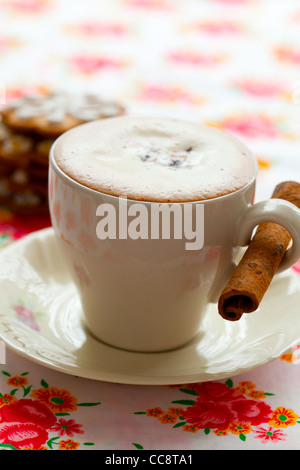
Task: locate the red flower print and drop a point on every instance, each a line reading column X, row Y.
column 288, row 357
column 218, row 405
column 27, row 411
column 23, row 435
column 283, row 417
column 175, row 411
column 209, row 415
column 216, row 392
column 218, row 432
column 168, row 418
column 57, row 400
column 256, row 394
column 269, row 434
column 17, row 381
column 68, row 427
column 7, row 399
column 155, row 412
column 69, row 444
column 239, row 428
column 251, row 411
column 245, row 387
column 190, row 428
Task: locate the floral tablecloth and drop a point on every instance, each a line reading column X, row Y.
column 233, row 64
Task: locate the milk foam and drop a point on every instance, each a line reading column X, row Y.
column 154, row 159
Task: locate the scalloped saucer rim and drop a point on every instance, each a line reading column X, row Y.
column 41, row 320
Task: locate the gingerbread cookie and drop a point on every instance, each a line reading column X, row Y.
column 56, row 113
column 28, row 128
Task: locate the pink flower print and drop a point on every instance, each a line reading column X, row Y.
column 258, row 126
column 91, row 28
column 27, row 6
column 168, row 94
column 269, row 434
column 219, row 27
column 259, row 88
column 287, row 54
column 26, row 316
column 23, row 312
column 233, row 2
column 68, row 427
column 87, row 241
column 150, row 4
column 195, row 58
column 92, row 64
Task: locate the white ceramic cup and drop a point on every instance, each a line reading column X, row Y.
column 151, row 294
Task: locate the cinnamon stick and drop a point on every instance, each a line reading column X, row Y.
column 253, row 275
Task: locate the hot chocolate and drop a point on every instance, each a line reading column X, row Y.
column 154, row 159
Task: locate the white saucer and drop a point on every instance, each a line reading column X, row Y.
column 41, row 319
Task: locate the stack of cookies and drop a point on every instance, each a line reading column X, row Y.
column 28, row 128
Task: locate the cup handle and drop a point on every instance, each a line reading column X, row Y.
column 273, row 210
